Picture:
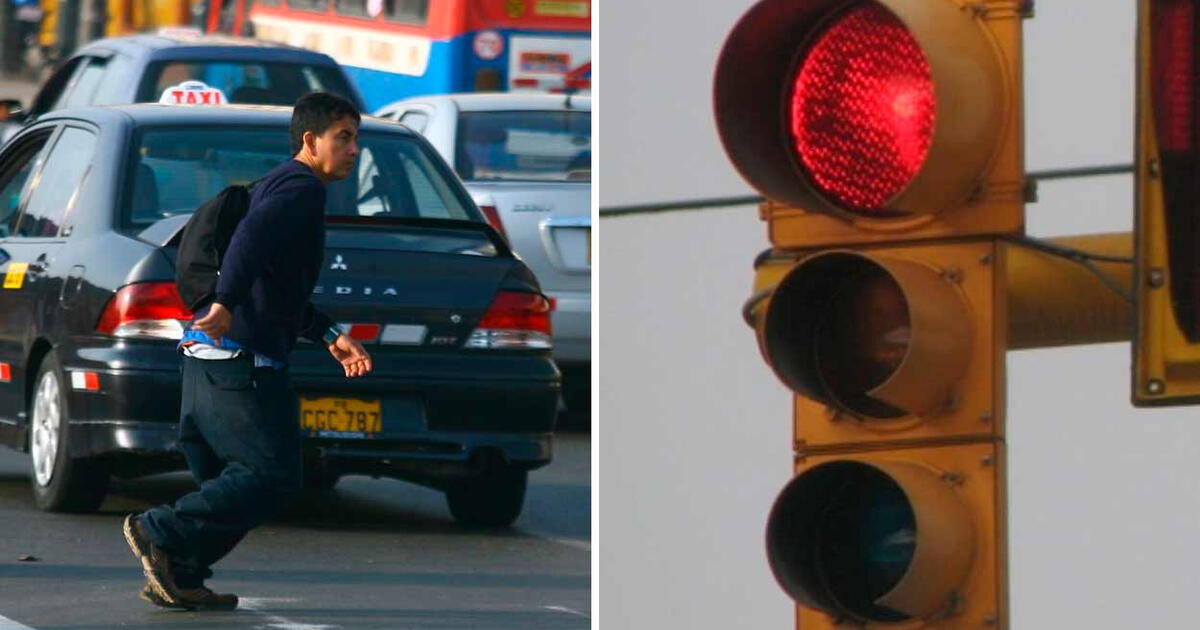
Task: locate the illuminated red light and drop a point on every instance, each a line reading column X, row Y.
column 863, row 109
column 1173, row 73
column 5, row 373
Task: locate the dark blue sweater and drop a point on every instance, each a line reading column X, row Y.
column 273, row 261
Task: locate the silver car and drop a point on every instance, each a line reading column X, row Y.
column 526, row 159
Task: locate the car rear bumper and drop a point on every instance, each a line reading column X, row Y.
column 571, row 325
column 503, row 404
column 434, row 453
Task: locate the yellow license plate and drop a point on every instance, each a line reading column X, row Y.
column 346, row 415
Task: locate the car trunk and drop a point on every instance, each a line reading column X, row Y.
column 549, row 225
column 425, row 283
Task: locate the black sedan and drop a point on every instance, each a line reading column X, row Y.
column 92, row 203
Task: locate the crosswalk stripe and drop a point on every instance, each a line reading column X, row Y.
column 9, row 624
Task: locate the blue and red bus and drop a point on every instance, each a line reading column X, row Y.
column 395, row 49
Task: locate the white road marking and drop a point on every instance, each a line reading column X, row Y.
column 275, row 622
column 577, row 544
column 9, row 624
column 566, row 610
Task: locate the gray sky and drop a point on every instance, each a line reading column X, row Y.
column 694, row 432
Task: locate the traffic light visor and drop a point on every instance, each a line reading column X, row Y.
column 876, row 109
column 882, row 541
column 876, row 337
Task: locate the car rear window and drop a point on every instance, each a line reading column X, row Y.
column 249, row 82
column 524, row 145
column 175, row 170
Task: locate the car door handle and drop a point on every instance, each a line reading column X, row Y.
column 38, row 267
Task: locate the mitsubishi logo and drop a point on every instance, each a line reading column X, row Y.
column 339, row 264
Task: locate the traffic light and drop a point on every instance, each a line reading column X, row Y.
column 886, row 137
column 1166, row 344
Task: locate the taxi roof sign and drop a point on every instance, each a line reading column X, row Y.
column 192, row 93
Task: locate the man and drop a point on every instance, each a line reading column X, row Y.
column 239, row 428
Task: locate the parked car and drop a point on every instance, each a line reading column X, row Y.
column 464, row 390
column 138, row 68
column 526, row 159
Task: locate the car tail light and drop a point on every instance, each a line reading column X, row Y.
column 863, row 109
column 364, row 333
column 515, row 320
column 146, row 310
column 493, row 219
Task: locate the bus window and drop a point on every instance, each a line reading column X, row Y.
column 309, row 5
column 356, row 8
column 407, row 11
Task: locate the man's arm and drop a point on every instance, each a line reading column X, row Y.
column 314, row 324
column 319, row 328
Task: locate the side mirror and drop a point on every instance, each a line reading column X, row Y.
column 11, row 110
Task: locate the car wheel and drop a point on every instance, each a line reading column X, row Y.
column 493, row 499
column 60, row 483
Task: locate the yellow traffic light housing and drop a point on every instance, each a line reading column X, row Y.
column 1166, row 344
column 886, row 136
column 862, row 121
column 893, row 539
column 889, row 343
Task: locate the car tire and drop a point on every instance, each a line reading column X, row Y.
column 60, row 483
column 493, row 499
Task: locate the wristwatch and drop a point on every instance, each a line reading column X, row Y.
column 331, row 334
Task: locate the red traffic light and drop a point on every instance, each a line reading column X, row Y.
column 862, row 109
column 883, row 109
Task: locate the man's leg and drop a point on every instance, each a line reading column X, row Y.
column 204, row 465
column 248, row 419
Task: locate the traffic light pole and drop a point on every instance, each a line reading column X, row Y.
column 10, row 46
column 1069, row 291
column 68, row 27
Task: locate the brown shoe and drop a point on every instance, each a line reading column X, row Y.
column 155, row 563
column 203, row 598
column 149, row 595
column 193, row 599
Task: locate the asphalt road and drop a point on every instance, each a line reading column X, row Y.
column 372, row 553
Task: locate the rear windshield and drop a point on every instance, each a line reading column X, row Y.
column 178, row 169
column 256, row 83
column 525, row 146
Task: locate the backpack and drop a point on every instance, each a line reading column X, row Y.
column 203, row 243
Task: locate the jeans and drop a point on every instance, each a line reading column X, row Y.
column 240, row 433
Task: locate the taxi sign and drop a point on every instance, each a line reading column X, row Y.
column 192, row 93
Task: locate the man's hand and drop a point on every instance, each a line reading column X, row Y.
column 216, row 323
column 354, row 359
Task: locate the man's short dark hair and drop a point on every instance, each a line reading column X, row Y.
column 315, row 112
